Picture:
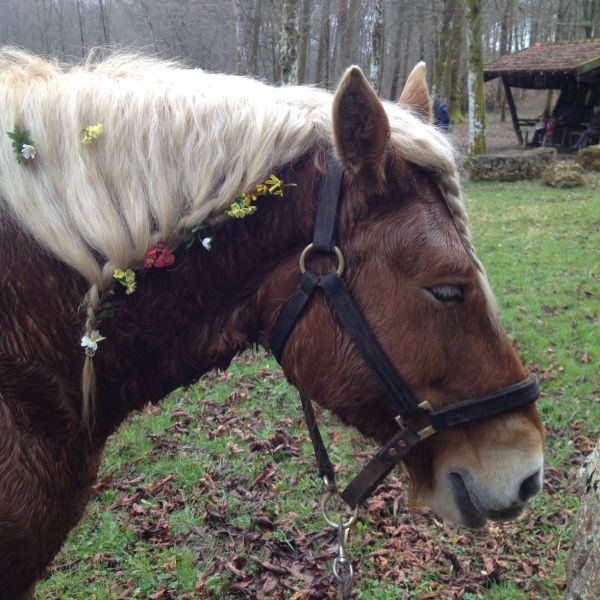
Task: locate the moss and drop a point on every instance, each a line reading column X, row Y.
column 589, row 158
column 564, row 174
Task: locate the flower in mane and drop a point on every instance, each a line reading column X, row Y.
column 158, row 257
column 243, row 205
column 28, row 151
column 90, row 342
column 91, row 133
column 126, row 279
column 22, row 145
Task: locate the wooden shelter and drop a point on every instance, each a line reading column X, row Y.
column 572, row 67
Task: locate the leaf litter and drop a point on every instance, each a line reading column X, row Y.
column 270, row 555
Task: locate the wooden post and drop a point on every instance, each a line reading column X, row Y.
column 513, row 110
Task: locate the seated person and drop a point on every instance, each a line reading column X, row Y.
column 551, row 127
column 539, row 131
column 592, row 131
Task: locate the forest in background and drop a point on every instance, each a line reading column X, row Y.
column 304, row 41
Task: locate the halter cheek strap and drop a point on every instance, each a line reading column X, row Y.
column 397, row 390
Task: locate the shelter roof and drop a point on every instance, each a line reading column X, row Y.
column 544, row 65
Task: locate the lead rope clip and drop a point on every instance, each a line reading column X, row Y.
column 342, row 568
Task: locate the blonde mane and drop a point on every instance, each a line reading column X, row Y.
column 178, row 145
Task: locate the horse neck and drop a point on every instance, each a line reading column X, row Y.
column 182, row 322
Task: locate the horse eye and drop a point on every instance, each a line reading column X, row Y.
column 448, row 293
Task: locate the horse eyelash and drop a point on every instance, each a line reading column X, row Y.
column 448, row 293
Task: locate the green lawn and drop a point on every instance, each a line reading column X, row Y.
column 213, row 494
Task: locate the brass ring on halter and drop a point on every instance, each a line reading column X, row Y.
column 338, row 254
column 330, row 521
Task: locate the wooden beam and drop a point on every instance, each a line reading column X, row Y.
column 513, row 110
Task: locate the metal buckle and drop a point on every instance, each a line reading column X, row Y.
column 338, row 253
column 426, row 431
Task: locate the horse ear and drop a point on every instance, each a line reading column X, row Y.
column 415, row 94
column 361, row 128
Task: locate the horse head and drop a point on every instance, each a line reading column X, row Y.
column 412, row 271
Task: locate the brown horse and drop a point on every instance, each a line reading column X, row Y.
column 409, row 266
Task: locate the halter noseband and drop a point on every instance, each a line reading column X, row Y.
column 406, row 406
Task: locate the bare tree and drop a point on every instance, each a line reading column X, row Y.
column 439, row 67
column 395, row 85
column 455, row 55
column 505, row 30
column 288, row 53
column 81, row 27
column 241, row 38
column 477, row 144
column 323, row 63
column 304, row 42
column 104, row 5
column 256, row 26
column 378, row 47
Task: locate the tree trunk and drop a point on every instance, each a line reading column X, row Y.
column 104, row 20
column 144, row 5
column 561, row 20
column 589, row 9
column 439, row 68
column 457, row 12
column 81, row 29
column 341, row 34
column 395, row 88
column 241, row 38
column 324, row 40
column 377, row 41
column 256, row 37
column 477, row 144
column 583, row 566
column 304, row 42
column 288, row 48
column 505, row 29
column 349, row 41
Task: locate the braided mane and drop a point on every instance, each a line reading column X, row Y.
column 178, row 145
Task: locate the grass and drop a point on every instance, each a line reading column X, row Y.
column 185, row 507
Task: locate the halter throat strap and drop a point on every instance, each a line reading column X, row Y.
column 397, row 390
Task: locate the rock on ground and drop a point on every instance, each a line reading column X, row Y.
column 564, row 174
column 589, row 158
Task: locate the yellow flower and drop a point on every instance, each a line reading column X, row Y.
column 274, row 183
column 242, row 206
column 91, row 132
column 126, row 279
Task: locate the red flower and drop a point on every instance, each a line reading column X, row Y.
column 159, row 257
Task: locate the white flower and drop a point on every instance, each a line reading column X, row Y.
column 206, row 242
column 28, row 151
column 92, row 340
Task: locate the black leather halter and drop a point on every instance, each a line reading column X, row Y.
column 405, row 404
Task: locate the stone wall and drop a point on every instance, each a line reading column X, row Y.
column 527, row 164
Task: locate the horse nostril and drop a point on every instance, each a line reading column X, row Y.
column 530, row 487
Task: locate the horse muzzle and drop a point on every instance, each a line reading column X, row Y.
column 503, row 502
